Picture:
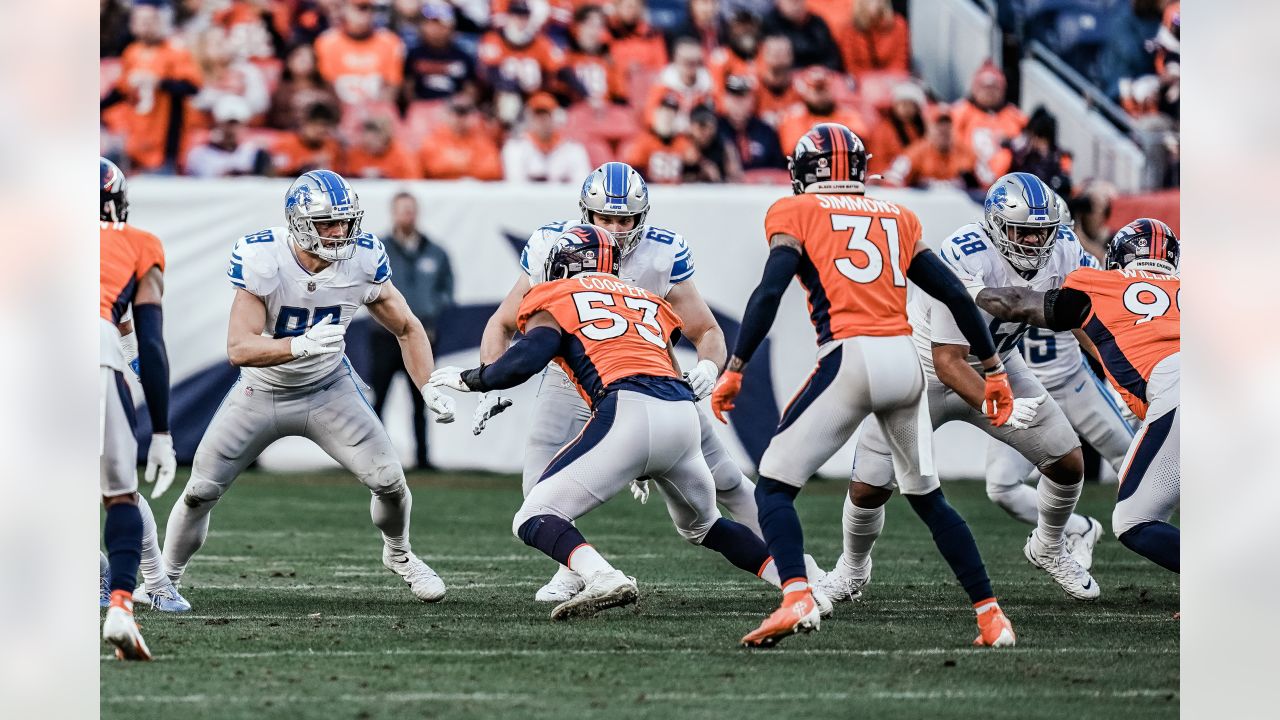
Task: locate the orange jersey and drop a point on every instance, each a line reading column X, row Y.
column 599, row 76
column 1135, row 322
column 922, row 163
column 658, row 160
column 127, row 254
column 528, row 69
column 397, row 163
column 794, row 126
column 290, row 156
column 445, row 155
column 886, row 47
column 774, row 107
column 856, row 251
column 146, row 120
column 360, row 70
column 613, row 330
column 985, row 132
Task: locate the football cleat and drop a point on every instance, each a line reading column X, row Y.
column 423, row 582
column 165, row 599
column 104, row 587
column 561, row 587
column 1080, row 545
column 994, row 629
column 812, row 571
column 604, row 590
column 825, row 608
column 845, row 583
column 1064, row 569
column 121, row 630
column 798, row 613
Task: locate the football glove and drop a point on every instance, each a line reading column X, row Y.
column 724, row 394
column 702, row 378
column 491, row 403
column 319, row 340
column 997, row 400
column 162, row 463
column 439, row 403
column 449, row 376
column 1024, row 412
column 640, row 490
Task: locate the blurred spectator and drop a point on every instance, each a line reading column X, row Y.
column 776, row 96
column 1091, row 209
column 1126, row 55
column 424, row 276
column 300, row 87
column 755, row 141
column 716, row 161
column 362, row 62
column 819, row 106
column 900, row 125
column 437, row 67
column 1036, row 151
column 248, row 30
column 685, row 79
column 516, row 61
column 113, row 27
column 876, row 41
column 540, row 153
column 597, row 77
column 313, row 146
column 226, row 153
column 227, row 73
column 457, row 149
column 636, row 45
column 158, row 77
column 985, row 121
column 404, row 16
column 660, row 153
column 307, row 20
column 702, row 23
column 937, row 159
column 835, row 13
column 811, row 39
column 739, row 52
column 378, row 154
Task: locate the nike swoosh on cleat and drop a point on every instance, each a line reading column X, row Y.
column 402, row 560
column 1088, row 585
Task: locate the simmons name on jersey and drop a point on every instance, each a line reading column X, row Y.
column 978, row 264
column 660, row 260
column 263, row 263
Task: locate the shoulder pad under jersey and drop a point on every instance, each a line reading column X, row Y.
column 969, row 253
column 673, row 242
column 538, row 246
column 372, row 258
column 255, row 261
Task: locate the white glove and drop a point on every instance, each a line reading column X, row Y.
column 439, row 403
column 702, row 378
column 320, row 340
column 1024, row 412
column 491, row 403
column 449, row 376
column 640, row 490
column 162, row 463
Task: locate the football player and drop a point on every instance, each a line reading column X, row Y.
column 616, row 198
column 1128, row 316
column 1089, row 405
column 853, row 255
column 1017, row 244
column 296, row 290
column 611, row 339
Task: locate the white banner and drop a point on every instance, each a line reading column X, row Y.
column 480, row 225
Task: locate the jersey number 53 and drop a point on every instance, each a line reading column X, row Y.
column 593, row 308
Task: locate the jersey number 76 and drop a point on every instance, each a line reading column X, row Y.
column 593, row 307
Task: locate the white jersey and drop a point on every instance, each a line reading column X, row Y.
column 263, row 263
column 659, row 262
column 1055, row 356
column 974, row 259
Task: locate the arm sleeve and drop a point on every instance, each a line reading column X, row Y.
column 520, row 362
column 933, row 277
column 153, row 363
column 762, row 308
column 1066, row 308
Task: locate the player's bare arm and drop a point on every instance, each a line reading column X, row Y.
column 246, row 345
column 392, row 312
column 502, row 325
column 1057, row 309
column 700, row 324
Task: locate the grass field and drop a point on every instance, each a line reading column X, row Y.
column 296, row 617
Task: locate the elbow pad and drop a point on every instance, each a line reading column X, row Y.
column 1066, row 308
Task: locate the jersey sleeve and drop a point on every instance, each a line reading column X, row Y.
column 670, row 321
column 943, row 328
column 536, row 249
column 150, row 253
column 374, row 264
column 253, row 265
column 784, row 216
column 969, row 254
column 1077, row 255
column 541, row 297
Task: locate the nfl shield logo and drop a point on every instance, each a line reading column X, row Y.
column 311, row 286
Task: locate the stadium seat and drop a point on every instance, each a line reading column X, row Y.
column 598, row 151
column 109, row 70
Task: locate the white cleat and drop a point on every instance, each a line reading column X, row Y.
column 813, row 572
column 423, row 582
column 561, row 587
column 844, row 583
column 121, row 630
column 165, row 599
column 1080, row 545
column 825, row 608
column 1063, row 568
column 604, row 590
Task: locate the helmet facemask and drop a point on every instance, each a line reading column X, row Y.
column 303, row 229
column 1011, row 240
column 627, row 240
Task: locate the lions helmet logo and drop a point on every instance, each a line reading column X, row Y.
column 998, row 199
column 300, row 198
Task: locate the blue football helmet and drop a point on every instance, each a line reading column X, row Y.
column 1021, row 216
column 617, row 190
column 323, row 196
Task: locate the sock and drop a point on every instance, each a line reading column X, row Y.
column 861, row 528
column 740, row 501
column 151, row 565
column 559, row 539
column 954, row 540
column 185, row 534
column 1021, row 501
column 1056, row 503
column 781, row 527
column 122, row 534
column 737, row 544
column 1159, row 542
column 984, row 606
column 585, row 561
column 390, row 513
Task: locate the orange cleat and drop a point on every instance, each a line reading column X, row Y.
column 121, row 630
column 799, row 613
column 994, row 628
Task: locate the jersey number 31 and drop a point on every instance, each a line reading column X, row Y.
column 860, row 225
column 590, row 311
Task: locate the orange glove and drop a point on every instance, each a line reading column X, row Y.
column 726, row 391
column 997, row 403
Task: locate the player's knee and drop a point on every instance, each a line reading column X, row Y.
column 201, row 492
column 384, row 479
column 1001, row 495
column 1122, row 521
column 528, row 512
column 1066, row 470
column 868, row 497
column 726, row 475
column 696, row 531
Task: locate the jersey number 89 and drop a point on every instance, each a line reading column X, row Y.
column 590, row 311
column 860, row 225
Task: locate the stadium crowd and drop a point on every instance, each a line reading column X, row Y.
column 543, row 90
